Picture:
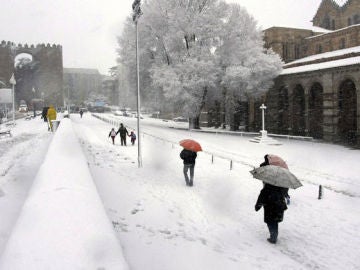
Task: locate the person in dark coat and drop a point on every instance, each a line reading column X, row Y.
column 44, row 113
column 81, row 113
column 123, row 132
column 285, row 190
column 272, row 198
column 189, row 158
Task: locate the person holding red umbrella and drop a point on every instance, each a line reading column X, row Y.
column 188, row 155
column 189, row 158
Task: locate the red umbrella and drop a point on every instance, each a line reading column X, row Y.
column 277, row 161
column 191, row 145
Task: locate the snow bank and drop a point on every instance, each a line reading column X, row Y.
column 63, row 224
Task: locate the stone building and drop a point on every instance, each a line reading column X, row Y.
column 318, row 92
column 81, row 83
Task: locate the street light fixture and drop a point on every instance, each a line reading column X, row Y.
column 136, row 15
column 13, row 82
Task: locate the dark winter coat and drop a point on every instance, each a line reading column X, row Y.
column 273, row 200
column 188, row 156
column 123, row 131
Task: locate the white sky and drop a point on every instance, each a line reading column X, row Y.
column 87, row 29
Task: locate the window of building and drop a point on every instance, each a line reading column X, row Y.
column 285, row 51
column 356, row 19
column 319, row 48
column 297, row 51
column 342, row 43
column 326, row 23
column 349, row 21
column 333, row 24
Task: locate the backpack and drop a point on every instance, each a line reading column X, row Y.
column 113, row 133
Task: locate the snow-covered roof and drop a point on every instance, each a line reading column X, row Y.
column 325, row 55
column 315, row 29
column 333, row 31
column 319, row 66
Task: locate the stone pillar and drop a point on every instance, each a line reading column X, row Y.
column 291, row 107
column 307, row 114
column 357, row 85
column 330, row 108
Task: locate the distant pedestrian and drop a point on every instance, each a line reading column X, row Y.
column 44, row 113
column 189, row 158
column 123, row 132
column 81, row 113
column 112, row 134
column 51, row 115
column 272, row 198
column 132, row 137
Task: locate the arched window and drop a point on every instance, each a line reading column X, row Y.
column 349, row 21
column 356, row 19
column 318, row 48
column 326, row 23
column 342, row 44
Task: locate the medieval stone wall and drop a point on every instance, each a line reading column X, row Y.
column 48, row 77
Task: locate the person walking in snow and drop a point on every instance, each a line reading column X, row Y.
column 272, row 198
column 81, row 113
column 189, row 158
column 112, row 134
column 132, row 137
column 123, row 132
column 51, row 115
column 277, row 161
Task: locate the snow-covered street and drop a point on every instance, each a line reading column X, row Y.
column 163, row 224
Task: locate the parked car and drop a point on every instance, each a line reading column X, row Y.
column 180, row 119
column 23, row 108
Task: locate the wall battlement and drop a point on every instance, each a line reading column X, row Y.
column 31, row 46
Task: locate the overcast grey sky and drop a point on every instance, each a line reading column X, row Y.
column 87, row 29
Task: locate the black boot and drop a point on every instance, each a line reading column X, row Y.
column 272, row 241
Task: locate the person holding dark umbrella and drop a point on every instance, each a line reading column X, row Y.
column 272, row 198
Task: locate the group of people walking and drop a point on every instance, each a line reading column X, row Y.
column 123, row 133
column 272, row 198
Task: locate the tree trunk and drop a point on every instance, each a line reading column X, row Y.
column 194, row 122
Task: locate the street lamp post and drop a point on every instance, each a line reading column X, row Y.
column 136, row 15
column 13, row 82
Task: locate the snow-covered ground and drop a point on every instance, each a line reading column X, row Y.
column 163, row 224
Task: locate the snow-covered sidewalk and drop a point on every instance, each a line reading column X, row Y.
column 63, row 221
column 162, row 224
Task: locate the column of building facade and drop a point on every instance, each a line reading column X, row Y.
column 330, row 108
column 307, row 114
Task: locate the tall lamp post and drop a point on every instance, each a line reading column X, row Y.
column 13, row 82
column 136, row 15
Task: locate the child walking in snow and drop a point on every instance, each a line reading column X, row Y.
column 133, row 137
column 112, row 134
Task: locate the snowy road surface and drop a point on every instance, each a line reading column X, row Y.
column 162, row 224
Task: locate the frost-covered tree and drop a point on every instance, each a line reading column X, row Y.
column 248, row 68
column 187, row 47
